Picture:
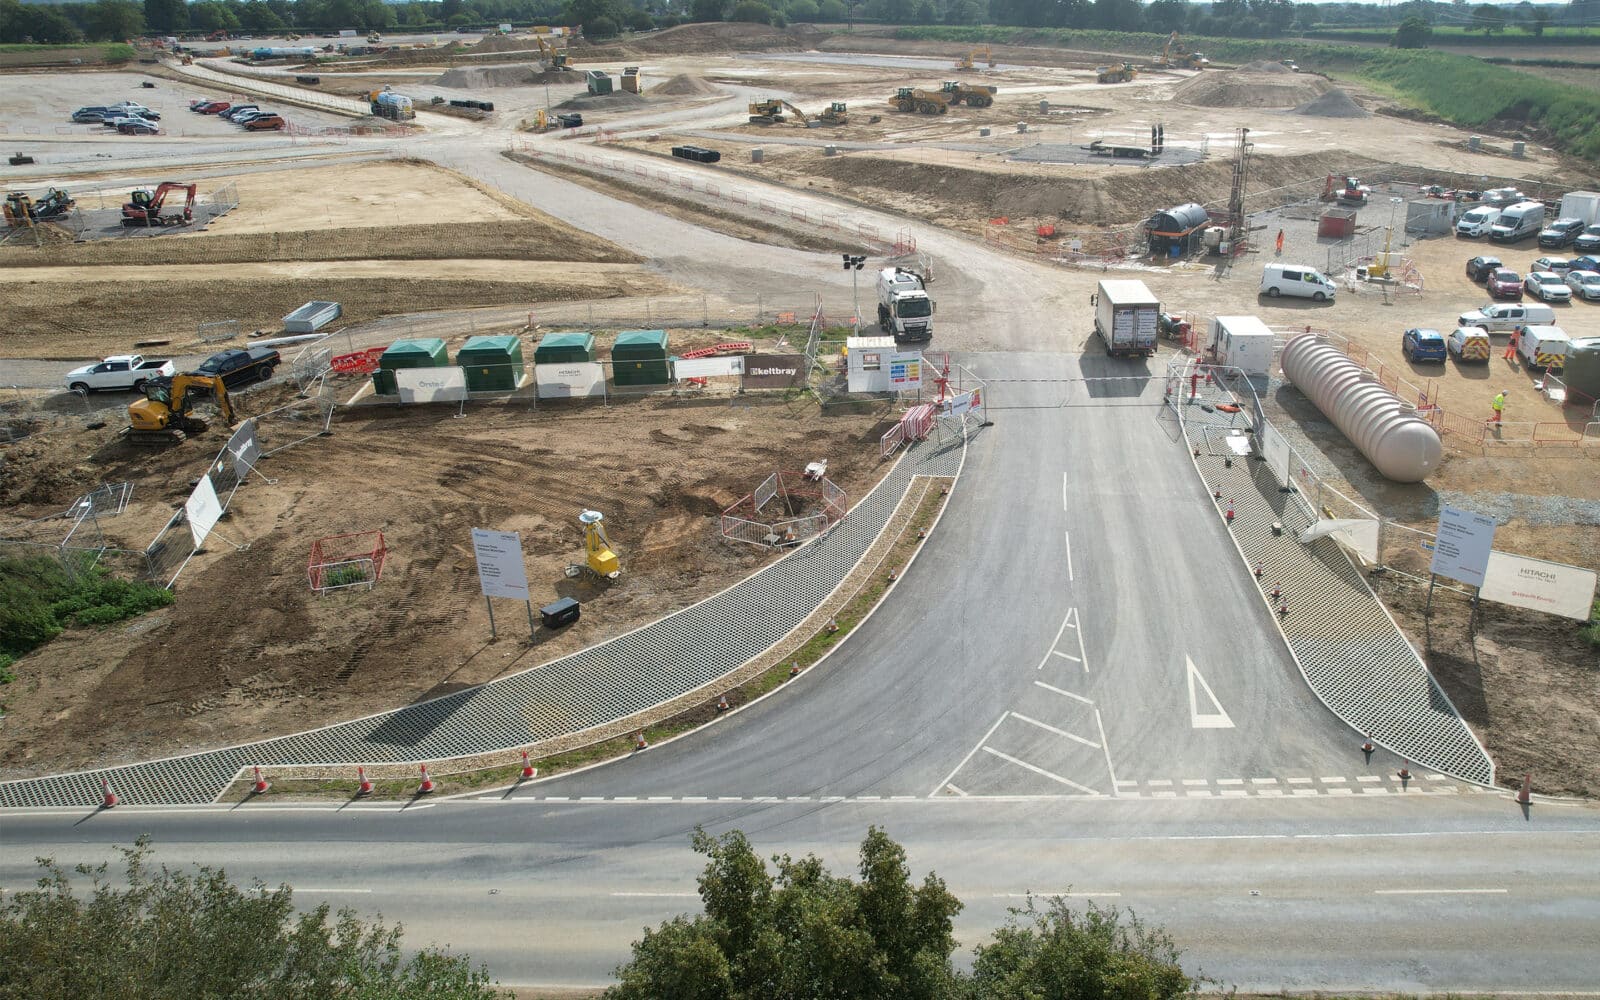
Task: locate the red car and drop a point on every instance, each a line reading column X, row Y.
column 265, row 123
column 1505, row 284
column 212, row 107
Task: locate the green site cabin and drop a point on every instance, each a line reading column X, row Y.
column 564, row 349
column 492, row 362
column 639, row 357
column 427, row 352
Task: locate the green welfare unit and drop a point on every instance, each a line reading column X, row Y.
column 492, row 363
column 639, row 357
column 1582, row 371
column 564, row 348
column 427, row 352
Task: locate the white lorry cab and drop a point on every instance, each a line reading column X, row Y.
column 905, row 310
column 1296, row 280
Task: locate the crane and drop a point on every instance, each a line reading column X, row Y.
column 145, row 207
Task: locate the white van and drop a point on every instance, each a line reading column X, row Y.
column 1477, row 222
column 1296, row 279
column 1544, row 347
column 1518, row 222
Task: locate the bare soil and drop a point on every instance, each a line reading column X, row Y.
column 358, row 196
column 249, row 651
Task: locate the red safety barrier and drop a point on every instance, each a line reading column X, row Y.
column 359, row 363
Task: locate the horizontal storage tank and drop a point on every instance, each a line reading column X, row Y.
column 1403, row 446
column 564, row 348
column 428, row 352
column 639, row 357
column 492, row 363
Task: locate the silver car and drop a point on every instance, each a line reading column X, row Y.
column 1548, row 286
column 1584, row 284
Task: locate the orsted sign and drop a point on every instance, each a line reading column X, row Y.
column 774, row 371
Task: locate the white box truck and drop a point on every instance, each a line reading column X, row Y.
column 905, row 310
column 1583, row 205
column 1242, row 342
column 1126, row 315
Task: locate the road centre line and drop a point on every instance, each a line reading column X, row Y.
column 1068, row 536
column 1068, row 694
column 1041, row 771
column 974, row 750
column 1052, row 729
column 1440, row 892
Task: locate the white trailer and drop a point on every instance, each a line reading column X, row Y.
column 1126, row 316
column 1583, row 205
column 1242, row 342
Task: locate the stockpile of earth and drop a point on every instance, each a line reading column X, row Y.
column 684, row 85
column 505, row 43
column 617, row 99
column 1334, row 104
column 1264, row 66
column 1242, row 88
column 475, row 77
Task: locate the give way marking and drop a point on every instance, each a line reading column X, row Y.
column 1217, row 719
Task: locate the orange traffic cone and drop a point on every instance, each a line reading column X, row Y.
column 261, row 784
column 1404, row 775
column 1258, row 569
column 1525, row 797
column 108, row 798
column 893, row 576
column 1229, row 515
column 427, row 782
column 794, row 669
column 527, row 768
column 1367, row 748
column 722, row 703
column 1277, row 590
column 833, row 625
column 363, row 786
column 639, row 742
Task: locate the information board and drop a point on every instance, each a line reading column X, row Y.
column 1461, row 545
column 570, row 379
column 905, row 371
column 1276, row 450
column 1555, row 588
column 500, row 569
column 431, row 385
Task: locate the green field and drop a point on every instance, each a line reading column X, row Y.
column 19, row 55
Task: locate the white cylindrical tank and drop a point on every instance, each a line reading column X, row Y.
column 1403, row 446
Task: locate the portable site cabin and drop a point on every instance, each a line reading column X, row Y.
column 564, row 348
column 1582, row 373
column 639, row 357
column 427, row 352
column 1177, row 230
column 1242, row 342
column 867, row 363
column 1430, row 217
column 492, row 363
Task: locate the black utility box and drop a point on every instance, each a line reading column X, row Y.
column 559, row 614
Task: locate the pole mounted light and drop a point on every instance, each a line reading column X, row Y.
column 854, row 264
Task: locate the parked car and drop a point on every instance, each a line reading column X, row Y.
column 122, row 120
column 265, row 123
column 120, row 371
column 1547, row 286
column 1468, row 343
column 246, row 116
column 1560, row 265
column 92, row 115
column 1588, row 241
column 196, row 105
column 132, row 108
column 213, row 107
column 1584, row 284
column 1422, row 345
column 1503, row 197
column 1588, row 262
column 233, row 113
column 137, row 126
column 570, row 120
column 1505, row 283
column 1560, row 233
column 1479, row 268
column 240, row 365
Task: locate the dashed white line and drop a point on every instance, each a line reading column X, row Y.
column 1335, row 780
column 1230, row 781
column 1071, row 613
column 1066, row 694
column 1160, row 782
column 1263, row 781
column 1041, row 771
column 1196, row 781
column 1052, row 729
column 1065, row 656
column 1068, row 536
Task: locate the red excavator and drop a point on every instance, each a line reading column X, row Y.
column 145, row 208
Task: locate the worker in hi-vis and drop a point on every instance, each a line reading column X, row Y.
column 1499, row 405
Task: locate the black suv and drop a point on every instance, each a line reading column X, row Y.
column 1479, row 268
column 1560, row 232
column 1589, row 242
column 240, row 366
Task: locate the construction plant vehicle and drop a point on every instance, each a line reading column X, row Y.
column 145, row 207
column 966, row 62
column 835, row 114
column 553, row 59
column 1115, row 74
column 21, row 210
column 1175, row 56
column 923, row 102
column 1345, row 190
column 977, row 96
column 602, row 561
column 771, row 110
column 386, row 103
column 164, row 415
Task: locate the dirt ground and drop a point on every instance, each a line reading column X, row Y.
column 249, row 651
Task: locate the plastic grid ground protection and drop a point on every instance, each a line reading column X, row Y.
column 633, row 672
column 1351, row 652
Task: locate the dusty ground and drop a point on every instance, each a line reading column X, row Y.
column 217, row 667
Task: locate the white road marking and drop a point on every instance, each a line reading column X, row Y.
column 1263, row 781
column 1331, row 780
column 1065, row 656
column 1040, row 771
column 1210, row 720
column 1068, row 536
column 1160, row 782
column 955, row 789
column 952, row 774
column 1083, row 654
column 1069, row 694
column 1071, row 613
column 1359, row 777
column 1306, row 781
column 1053, row 729
column 1064, row 504
column 1106, row 749
column 1440, row 892
column 1230, row 781
column 1197, row 781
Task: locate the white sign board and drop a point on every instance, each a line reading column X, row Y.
column 1541, row 586
column 708, row 367
column 1358, row 534
column 1276, row 450
column 243, row 445
column 500, row 569
column 203, row 509
column 957, row 406
column 1462, row 544
column 905, row 371
column 570, row 379
column 431, row 385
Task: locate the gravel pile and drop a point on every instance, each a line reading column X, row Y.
column 1264, row 66
column 1334, row 104
column 684, row 85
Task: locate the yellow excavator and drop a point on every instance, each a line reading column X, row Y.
column 164, row 415
column 597, row 547
column 554, row 58
column 771, row 110
column 1175, row 56
column 967, row 62
column 923, row 102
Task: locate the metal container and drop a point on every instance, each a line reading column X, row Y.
column 1401, row 445
column 830, row 150
column 756, row 155
column 1519, row 149
column 983, row 133
column 1474, row 143
column 1044, row 107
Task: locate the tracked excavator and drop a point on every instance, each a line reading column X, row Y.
column 554, row 58
column 968, row 61
column 165, row 414
column 771, row 110
column 145, row 207
column 21, row 210
column 1174, row 55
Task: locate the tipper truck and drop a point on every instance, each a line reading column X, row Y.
column 1125, row 317
column 905, row 309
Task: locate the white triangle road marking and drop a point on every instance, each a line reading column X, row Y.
column 1209, row 720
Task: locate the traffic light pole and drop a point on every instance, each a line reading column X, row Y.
column 853, row 264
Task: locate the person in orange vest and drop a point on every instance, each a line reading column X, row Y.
column 1280, row 243
column 1511, row 345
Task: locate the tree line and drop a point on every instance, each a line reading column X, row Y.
column 792, row 931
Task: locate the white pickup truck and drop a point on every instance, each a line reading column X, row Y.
column 120, row 371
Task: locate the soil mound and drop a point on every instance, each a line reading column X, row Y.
column 477, row 77
column 1238, row 89
column 1265, row 66
column 684, row 85
column 505, row 43
column 728, row 36
column 1334, row 104
column 618, row 100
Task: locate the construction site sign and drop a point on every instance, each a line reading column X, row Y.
column 905, row 371
column 1554, row 588
column 774, row 371
column 203, row 510
column 1462, row 544
column 957, row 406
column 243, row 446
column 684, row 368
column 500, row 569
column 574, row 379
column 431, row 385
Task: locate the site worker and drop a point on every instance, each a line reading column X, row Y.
column 1511, row 345
column 1499, row 405
column 1280, row 243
